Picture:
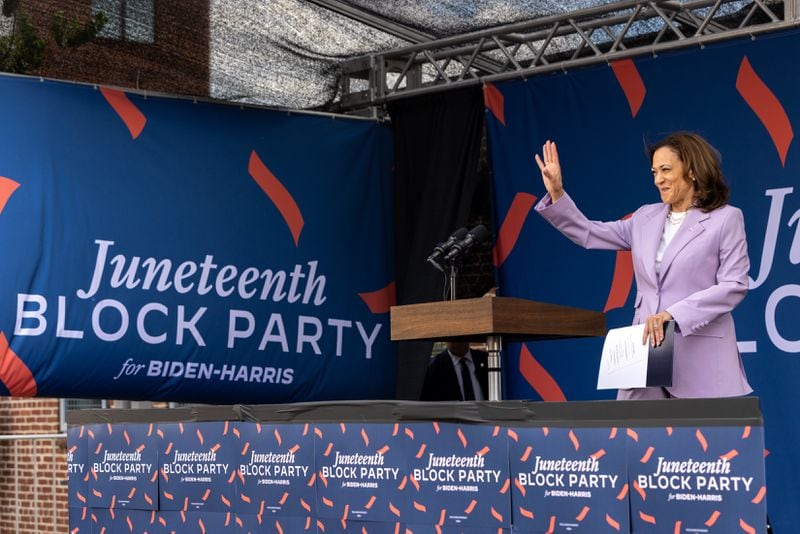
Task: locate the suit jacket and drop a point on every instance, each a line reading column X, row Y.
column 441, row 382
column 703, row 277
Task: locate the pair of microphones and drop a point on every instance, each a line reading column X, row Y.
column 457, row 245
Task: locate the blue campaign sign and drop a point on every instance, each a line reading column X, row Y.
column 80, row 519
column 742, row 96
column 361, row 471
column 459, row 476
column 689, row 479
column 198, row 466
column 569, row 479
column 332, row 526
column 114, row 521
column 270, row 524
column 276, row 463
column 124, row 466
column 451, row 529
column 203, row 523
column 162, row 249
column 78, row 466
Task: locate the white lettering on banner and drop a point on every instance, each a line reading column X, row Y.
column 771, row 233
column 304, row 285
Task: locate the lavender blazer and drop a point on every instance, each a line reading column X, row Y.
column 703, row 277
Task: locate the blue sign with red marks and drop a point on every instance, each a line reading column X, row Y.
column 276, row 463
column 198, row 467
column 123, row 461
column 160, row 249
column 569, row 479
column 361, row 471
column 742, row 96
column 459, row 475
column 78, row 466
column 688, row 480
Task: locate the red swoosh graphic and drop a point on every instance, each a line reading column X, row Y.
column 16, row 376
column 631, row 82
column 766, row 106
column 623, row 279
column 7, row 188
column 512, row 226
column 494, row 101
column 278, row 194
column 538, row 377
column 127, row 111
column 381, row 300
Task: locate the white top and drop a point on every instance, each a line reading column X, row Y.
column 476, row 386
column 674, row 221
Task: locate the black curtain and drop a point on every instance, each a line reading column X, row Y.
column 437, row 141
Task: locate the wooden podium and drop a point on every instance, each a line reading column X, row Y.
column 491, row 319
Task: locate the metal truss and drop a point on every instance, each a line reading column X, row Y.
column 599, row 34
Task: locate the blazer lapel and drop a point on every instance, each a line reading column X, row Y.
column 692, row 227
column 652, row 229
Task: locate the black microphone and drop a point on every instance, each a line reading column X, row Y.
column 476, row 235
column 442, row 248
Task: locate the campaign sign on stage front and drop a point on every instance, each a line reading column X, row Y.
column 198, row 466
column 276, row 464
column 202, row 523
column 115, row 521
column 690, row 479
column 124, row 466
column 569, row 479
column 361, row 471
column 276, row 524
column 451, row 529
column 459, row 475
column 333, row 526
column 78, row 466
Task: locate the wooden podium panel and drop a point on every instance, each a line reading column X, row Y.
column 505, row 316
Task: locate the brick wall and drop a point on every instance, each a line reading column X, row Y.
column 33, row 473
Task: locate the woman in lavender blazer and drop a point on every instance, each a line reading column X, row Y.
column 689, row 258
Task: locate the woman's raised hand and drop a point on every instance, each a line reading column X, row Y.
column 551, row 170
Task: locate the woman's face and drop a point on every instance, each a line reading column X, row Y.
column 669, row 174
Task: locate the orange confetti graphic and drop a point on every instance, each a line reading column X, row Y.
column 283, row 498
column 132, row 493
column 669, row 430
column 505, row 487
column 483, row 452
column 328, row 450
column 312, row 479
column 180, row 427
column 597, row 455
column 525, row 513
column 395, row 429
column 80, row 497
column 677, row 528
column 408, row 432
column 574, row 439
column 327, row 502
column 244, row 449
column 712, row 519
column 436, row 427
column 130, row 523
column 370, row 502
column 343, row 428
column 639, row 490
column 581, row 516
column 545, row 430
column 318, row 432
column 746, row 432
column 346, row 511
column 420, row 507
column 403, row 483
column 160, row 433
column 442, row 515
column 169, row 448
column 202, row 526
column 520, row 487
column 236, row 432
column 760, row 495
column 320, row 526
column 702, row 439
column 613, row 433
column 647, row 518
column 394, row 510
column 551, row 528
column 623, row 492
column 97, row 493
column 646, row 458
column 233, row 476
column 495, row 431
column 216, row 447
column 140, row 448
column 365, row 437
column 277, row 436
column 245, row 498
column 98, row 448
column 513, row 435
column 421, row 450
column 632, row 434
column 168, row 495
column 225, row 501
column 613, row 524
column 127, row 437
column 206, row 494
column 295, row 448
column 730, row 455
column 497, row 515
column 471, row 506
column 147, row 499
column 462, row 438
column 526, row 454
column 747, row 528
column 278, row 527
column 305, row 505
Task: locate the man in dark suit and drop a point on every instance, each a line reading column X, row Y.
column 457, row 373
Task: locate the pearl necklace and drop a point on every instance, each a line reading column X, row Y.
column 676, row 217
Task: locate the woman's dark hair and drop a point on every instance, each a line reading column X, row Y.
column 702, row 162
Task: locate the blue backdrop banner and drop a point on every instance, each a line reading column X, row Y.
column 741, row 95
column 157, row 248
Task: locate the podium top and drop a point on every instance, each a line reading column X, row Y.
column 480, row 317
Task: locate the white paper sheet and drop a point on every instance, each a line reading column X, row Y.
column 624, row 360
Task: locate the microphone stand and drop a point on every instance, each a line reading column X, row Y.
column 451, row 279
